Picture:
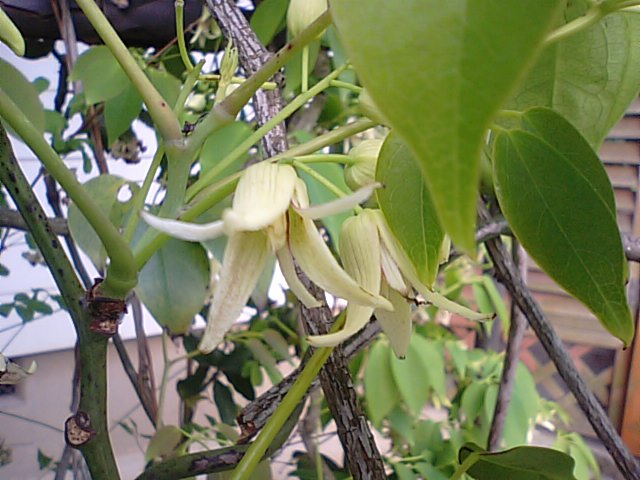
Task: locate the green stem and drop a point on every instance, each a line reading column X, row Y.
column 320, row 179
column 213, row 77
column 92, row 347
column 257, row 450
column 227, row 110
column 163, row 383
column 187, row 87
column 466, row 465
column 322, row 158
column 182, row 47
column 141, row 195
column 160, row 112
column 326, row 139
column 241, row 149
column 121, row 275
column 349, row 86
column 305, row 69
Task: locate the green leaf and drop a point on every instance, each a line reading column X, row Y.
column 403, row 472
column 44, row 461
column 220, row 144
column 23, row 93
column 268, row 19
column 101, row 75
column 277, row 342
column 166, row 84
column 120, row 111
column 265, row 357
column 553, row 190
column 4, row 271
column 523, row 463
column 104, row 191
column 224, row 401
column 408, row 208
column 163, row 443
column 590, row 77
column 439, row 71
column 432, row 364
column 380, row 389
column 173, row 284
column 5, row 309
column 411, row 377
column 472, row 400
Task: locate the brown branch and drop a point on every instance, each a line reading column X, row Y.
column 12, row 219
column 508, row 275
column 517, row 329
column 357, row 440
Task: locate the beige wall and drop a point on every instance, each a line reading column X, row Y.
column 45, row 397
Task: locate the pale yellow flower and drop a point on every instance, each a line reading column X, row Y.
column 270, row 215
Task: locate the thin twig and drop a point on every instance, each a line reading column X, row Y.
column 508, row 275
column 517, row 329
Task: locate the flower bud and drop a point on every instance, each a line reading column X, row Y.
column 303, row 13
column 369, row 109
column 363, row 169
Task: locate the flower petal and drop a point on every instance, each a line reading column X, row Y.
column 397, row 324
column 244, row 259
column 285, row 260
column 317, row 261
column 360, row 250
column 357, row 317
column 263, row 194
column 392, row 273
column 191, row 232
column 339, row 205
column 409, row 272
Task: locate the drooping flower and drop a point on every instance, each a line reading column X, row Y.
column 302, row 13
column 270, row 215
column 372, row 256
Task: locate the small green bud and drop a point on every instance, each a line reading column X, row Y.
column 302, row 13
column 369, row 109
column 10, row 35
column 363, row 169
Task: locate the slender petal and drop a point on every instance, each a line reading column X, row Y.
column 315, row 258
column 244, row 259
column 339, row 205
column 409, row 272
column 360, row 250
column 357, row 317
column 289, row 272
column 262, row 196
column 397, row 324
column 191, row 232
column 392, row 273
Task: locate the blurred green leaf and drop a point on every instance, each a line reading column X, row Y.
column 101, row 75
column 380, row 389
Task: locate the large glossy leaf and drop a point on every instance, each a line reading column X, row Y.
column 104, row 191
column 173, row 284
column 523, row 463
column 439, row 71
column 590, row 77
column 555, row 194
column 101, row 75
column 22, row 92
column 408, row 208
column 380, row 388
